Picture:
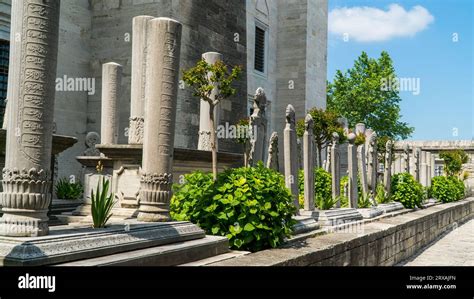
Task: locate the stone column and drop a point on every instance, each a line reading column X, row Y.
column 372, row 163
column 204, row 143
column 405, row 162
column 387, row 176
column 258, row 123
column 361, row 166
column 26, row 180
column 111, row 81
column 423, row 169
column 415, row 169
column 352, row 161
column 139, row 63
column 161, row 90
column 430, row 160
column 398, row 163
column 272, row 160
column 291, row 155
column 335, row 168
column 308, row 166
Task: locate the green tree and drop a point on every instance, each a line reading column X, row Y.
column 453, row 161
column 325, row 123
column 203, row 78
column 362, row 94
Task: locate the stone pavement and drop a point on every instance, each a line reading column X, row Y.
column 453, row 249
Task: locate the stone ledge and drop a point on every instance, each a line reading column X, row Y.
column 66, row 243
column 380, row 243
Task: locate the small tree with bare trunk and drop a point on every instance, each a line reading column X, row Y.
column 203, row 78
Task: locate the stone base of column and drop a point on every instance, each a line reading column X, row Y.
column 24, row 223
column 155, row 196
column 25, row 200
column 204, row 143
column 135, row 131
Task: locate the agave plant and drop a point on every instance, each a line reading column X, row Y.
column 102, row 204
column 325, row 203
column 364, row 201
column 381, row 195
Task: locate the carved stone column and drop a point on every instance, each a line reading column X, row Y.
column 139, row 63
column 387, row 176
column 352, row 162
column 258, row 123
column 291, row 155
column 362, row 169
column 272, row 159
column 27, row 177
column 335, row 168
column 308, row 166
column 111, row 81
column 161, row 90
column 204, row 143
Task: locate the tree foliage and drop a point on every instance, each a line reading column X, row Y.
column 453, row 161
column 361, row 95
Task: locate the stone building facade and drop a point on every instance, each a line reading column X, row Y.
column 94, row 32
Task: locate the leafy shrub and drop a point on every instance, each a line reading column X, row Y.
column 322, row 188
column 67, row 190
column 381, row 196
column 453, row 161
column 102, row 204
column 250, row 206
column 447, row 189
column 407, row 191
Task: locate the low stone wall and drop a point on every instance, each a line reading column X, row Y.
column 381, row 243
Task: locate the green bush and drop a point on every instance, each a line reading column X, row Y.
column 407, row 191
column 67, row 190
column 322, row 189
column 102, row 204
column 250, row 206
column 447, row 189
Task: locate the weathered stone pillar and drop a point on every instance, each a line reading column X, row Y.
column 204, row 143
column 387, row 176
column 415, row 169
column 111, row 81
column 361, row 166
column 335, row 168
column 258, row 123
column 161, row 90
column 405, row 159
column 291, row 155
column 430, row 159
column 372, row 165
column 352, row 163
column 272, row 160
column 398, row 163
column 26, row 180
column 423, row 169
column 308, row 166
column 139, row 63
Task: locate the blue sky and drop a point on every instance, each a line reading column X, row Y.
column 420, row 42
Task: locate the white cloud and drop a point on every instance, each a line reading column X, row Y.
column 370, row 24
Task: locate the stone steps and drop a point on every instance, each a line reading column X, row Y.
column 193, row 253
